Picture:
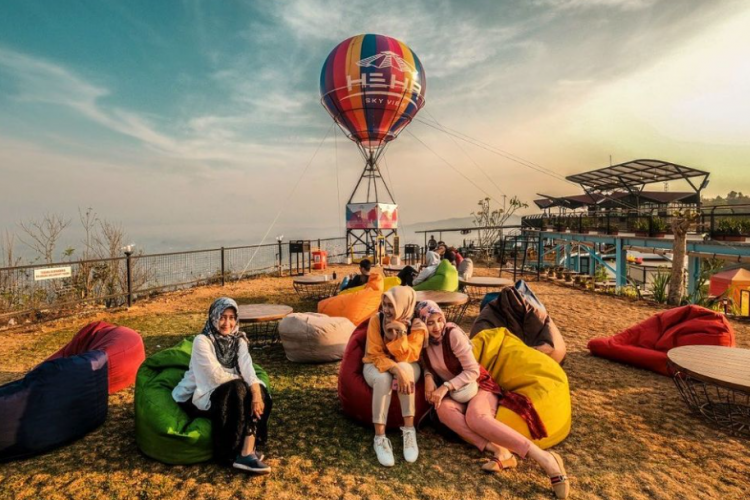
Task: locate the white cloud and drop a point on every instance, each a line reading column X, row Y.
column 624, row 5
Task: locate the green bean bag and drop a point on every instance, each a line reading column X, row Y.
column 445, row 279
column 164, row 431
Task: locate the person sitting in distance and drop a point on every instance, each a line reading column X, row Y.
column 364, row 275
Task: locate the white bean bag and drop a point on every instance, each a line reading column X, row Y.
column 466, row 269
column 314, row 338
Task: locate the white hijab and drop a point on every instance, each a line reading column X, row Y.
column 433, row 261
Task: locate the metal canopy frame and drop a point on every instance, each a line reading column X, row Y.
column 634, row 175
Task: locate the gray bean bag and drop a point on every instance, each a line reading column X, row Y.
column 314, row 338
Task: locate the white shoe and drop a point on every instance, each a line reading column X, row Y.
column 411, row 451
column 384, row 451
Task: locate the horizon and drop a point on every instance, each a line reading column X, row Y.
column 195, row 121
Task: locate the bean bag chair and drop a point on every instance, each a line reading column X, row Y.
column 518, row 309
column 388, row 283
column 356, row 396
column 124, row 348
column 466, row 269
column 519, row 368
column 358, row 306
column 163, row 430
column 645, row 345
column 445, row 278
column 314, row 338
column 57, row 402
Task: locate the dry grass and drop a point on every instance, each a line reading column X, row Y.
column 632, row 437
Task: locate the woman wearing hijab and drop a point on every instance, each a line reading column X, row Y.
column 466, row 399
column 394, row 343
column 432, row 261
column 221, row 385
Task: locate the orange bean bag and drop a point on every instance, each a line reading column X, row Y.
column 645, row 345
column 358, row 306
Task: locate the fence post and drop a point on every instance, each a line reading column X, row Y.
column 281, row 264
column 223, row 275
column 129, row 272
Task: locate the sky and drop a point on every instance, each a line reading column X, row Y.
column 198, row 123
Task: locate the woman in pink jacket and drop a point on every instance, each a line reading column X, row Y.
column 466, row 399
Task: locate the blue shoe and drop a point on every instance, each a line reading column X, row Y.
column 251, row 463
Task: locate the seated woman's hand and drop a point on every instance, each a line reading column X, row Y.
column 258, row 405
column 438, row 395
column 405, row 382
column 429, row 388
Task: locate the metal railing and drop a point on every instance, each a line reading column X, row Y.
column 120, row 281
column 723, row 222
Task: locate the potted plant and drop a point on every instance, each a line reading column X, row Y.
column 659, row 227
column 641, row 227
column 731, row 229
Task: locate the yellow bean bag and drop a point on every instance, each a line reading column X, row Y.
column 388, row 283
column 522, row 369
column 358, row 306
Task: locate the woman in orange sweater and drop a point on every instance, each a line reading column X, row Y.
column 391, row 362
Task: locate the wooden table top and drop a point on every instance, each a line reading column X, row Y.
column 443, row 298
column 258, row 313
column 488, row 282
column 314, row 278
column 725, row 366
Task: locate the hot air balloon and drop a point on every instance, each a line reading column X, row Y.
column 372, row 86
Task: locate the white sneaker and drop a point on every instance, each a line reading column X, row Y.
column 384, row 451
column 411, row 451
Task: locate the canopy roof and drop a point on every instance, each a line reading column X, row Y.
column 635, row 174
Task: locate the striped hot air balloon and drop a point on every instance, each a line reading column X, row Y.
column 372, row 85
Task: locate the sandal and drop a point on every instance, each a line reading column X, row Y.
column 560, row 482
column 497, row 464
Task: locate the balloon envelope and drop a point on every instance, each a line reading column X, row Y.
column 372, row 85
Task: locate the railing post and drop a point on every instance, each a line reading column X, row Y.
column 281, row 265
column 223, row 275
column 129, row 273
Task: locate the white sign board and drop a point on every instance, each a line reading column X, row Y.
column 51, row 273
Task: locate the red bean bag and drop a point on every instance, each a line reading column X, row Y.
column 124, row 348
column 356, row 396
column 645, row 345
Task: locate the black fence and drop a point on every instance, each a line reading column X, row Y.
column 35, row 292
column 725, row 222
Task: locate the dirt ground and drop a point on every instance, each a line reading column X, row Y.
column 632, row 436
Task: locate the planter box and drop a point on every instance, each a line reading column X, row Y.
column 659, row 235
column 641, row 234
column 729, row 237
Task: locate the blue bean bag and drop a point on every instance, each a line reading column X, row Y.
column 57, row 402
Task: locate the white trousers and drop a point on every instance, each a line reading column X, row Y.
column 382, row 390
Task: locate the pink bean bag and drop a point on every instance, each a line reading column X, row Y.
column 645, row 345
column 356, row 396
column 124, row 348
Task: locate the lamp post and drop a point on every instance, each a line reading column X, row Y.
column 279, row 239
column 128, row 249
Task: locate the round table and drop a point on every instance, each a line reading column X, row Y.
column 262, row 321
column 315, row 286
column 715, row 382
column 453, row 304
column 478, row 286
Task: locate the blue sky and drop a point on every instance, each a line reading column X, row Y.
column 191, row 121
